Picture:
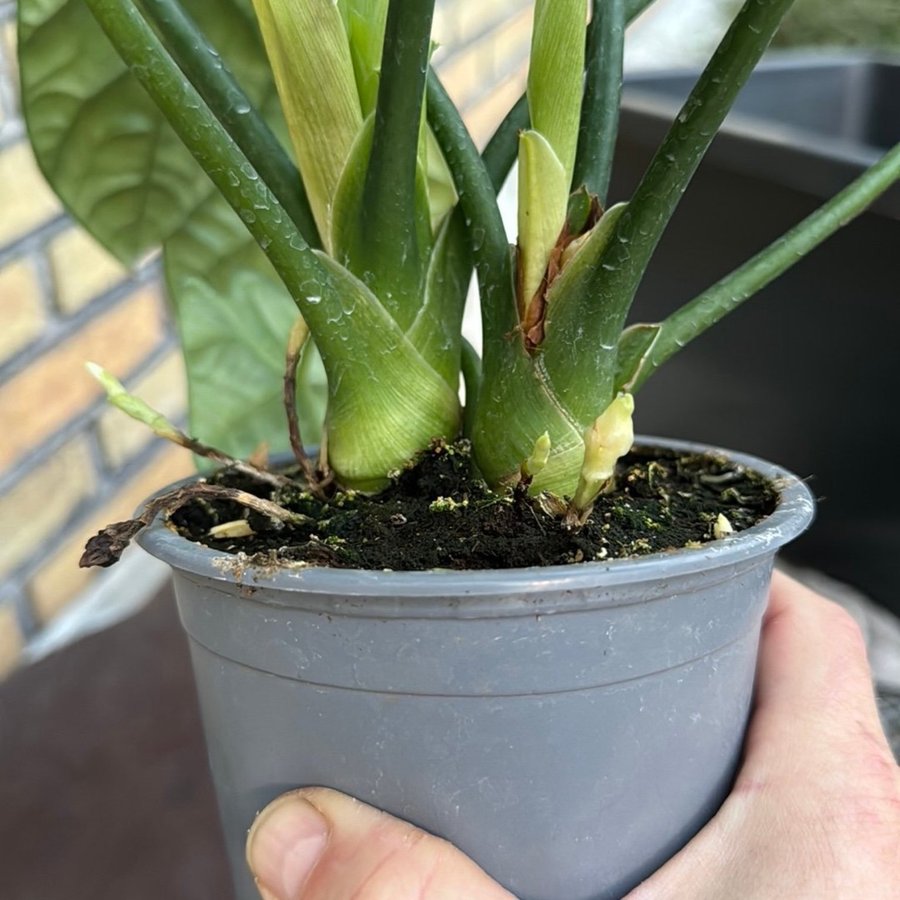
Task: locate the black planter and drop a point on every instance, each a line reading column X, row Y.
column 807, row 372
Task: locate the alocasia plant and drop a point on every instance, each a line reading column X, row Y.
column 371, row 237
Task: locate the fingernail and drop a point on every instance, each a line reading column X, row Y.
column 284, row 845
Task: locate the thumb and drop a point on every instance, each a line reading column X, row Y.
column 317, row 844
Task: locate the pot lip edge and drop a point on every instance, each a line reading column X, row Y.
column 792, row 516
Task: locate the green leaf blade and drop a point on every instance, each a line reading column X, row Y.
column 543, row 202
column 100, row 141
column 234, row 316
column 555, row 76
column 308, row 48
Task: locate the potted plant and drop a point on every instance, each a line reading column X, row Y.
column 479, row 702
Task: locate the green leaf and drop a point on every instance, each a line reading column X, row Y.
column 556, row 75
column 364, row 21
column 117, row 164
column 386, row 403
column 543, row 203
column 234, row 316
column 616, row 278
column 310, row 56
column 99, row 139
column 436, row 330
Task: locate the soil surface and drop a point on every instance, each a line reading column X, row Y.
column 436, row 514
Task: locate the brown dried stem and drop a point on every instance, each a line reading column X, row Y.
column 107, row 546
column 316, row 479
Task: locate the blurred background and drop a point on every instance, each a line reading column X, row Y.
column 141, row 823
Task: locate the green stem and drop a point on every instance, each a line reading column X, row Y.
column 596, row 315
column 602, row 93
column 389, row 193
column 233, row 108
column 224, row 162
column 701, row 313
column 471, row 370
column 502, row 149
column 633, row 8
column 478, row 201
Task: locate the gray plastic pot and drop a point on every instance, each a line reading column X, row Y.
column 569, row 727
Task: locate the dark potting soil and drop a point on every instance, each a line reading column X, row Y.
column 437, row 514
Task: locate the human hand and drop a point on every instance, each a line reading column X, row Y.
column 815, row 811
column 317, row 844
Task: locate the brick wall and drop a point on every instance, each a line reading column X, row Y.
column 68, row 465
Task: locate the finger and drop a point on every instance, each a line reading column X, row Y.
column 317, row 844
column 813, row 674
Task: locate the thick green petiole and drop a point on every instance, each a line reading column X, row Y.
column 661, row 342
column 595, row 317
column 602, row 92
column 370, row 431
column 386, row 232
column 233, row 108
column 478, row 202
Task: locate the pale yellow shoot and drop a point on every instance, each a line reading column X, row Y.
column 237, row 528
column 133, row 406
column 722, row 527
column 535, row 463
column 543, row 202
column 605, row 443
column 310, row 56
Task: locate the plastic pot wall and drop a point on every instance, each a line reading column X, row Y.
column 568, row 727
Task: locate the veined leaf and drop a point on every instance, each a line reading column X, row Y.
column 234, row 316
column 122, row 171
column 99, row 139
column 543, row 201
column 386, row 403
column 556, row 76
column 310, row 56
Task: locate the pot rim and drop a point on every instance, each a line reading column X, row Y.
column 791, row 517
